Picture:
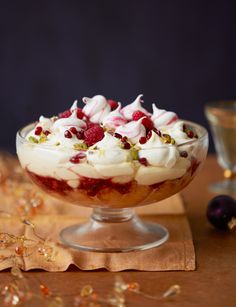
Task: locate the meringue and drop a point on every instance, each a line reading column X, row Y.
column 134, row 106
column 96, row 108
column 162, row 117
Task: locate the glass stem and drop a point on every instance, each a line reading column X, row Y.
column 107, row 215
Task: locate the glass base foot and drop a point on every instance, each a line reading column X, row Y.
column 224, row 187
column 112, row 230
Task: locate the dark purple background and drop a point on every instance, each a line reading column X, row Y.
column 179, row 54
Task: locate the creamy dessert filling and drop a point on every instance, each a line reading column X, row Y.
column 109, row 144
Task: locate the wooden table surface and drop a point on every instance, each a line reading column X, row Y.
column 212, row 284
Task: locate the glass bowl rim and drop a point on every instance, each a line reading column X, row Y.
column 221, row 104
column 188, row 142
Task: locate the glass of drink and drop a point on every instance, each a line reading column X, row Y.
column 222, row 119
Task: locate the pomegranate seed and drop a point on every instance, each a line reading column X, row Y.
column 158, row 132
column 76, row 159
column 117, row 135
column 183, row 154
column 126, row 145
column 142, row 140
column 47, row 132
column 149, row 134
column 68, row 134
column 80, row 135
column 190, row 134
column 147, row 122
column 38, row 130
column 143, row 161
column 124, row 139
column 73, row 130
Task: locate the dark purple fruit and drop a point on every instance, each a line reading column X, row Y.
column 221, row 209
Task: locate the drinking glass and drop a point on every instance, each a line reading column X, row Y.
column 222, row 119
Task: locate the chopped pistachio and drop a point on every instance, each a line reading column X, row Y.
column 134, row 153
column 167, row 139
column 42, row 138
column 32, row 139
column 80, row 146
column 101, row 152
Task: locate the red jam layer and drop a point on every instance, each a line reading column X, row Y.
column 92, row 186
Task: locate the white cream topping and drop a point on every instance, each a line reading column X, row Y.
column 136, row 105
column 114, row 119
column 147, row 175
column 157, row 153
column 107, row 158
column 96, row 108
column 162, row 117
column 133, row 130
column 109, row 151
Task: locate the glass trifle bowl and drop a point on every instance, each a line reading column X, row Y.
column 112, row 168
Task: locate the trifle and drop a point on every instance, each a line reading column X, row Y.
column 111, row 157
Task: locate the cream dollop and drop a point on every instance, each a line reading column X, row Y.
column 45, row 123
column 136, row 105
column 133, row 130
column 157, row 153
column 96, row 108
column 108, row 151
column 115, row 118
column 162, row 117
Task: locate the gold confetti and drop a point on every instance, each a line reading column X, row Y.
column 87, row 290
column 172, row 291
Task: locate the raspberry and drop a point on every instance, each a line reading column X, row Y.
column 137, row 115
column 147, row 122
column 90, row 124
column 93, row 135
column 113, row 104
column 65, row 114
column 80, row 113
